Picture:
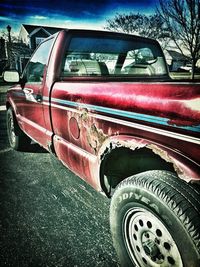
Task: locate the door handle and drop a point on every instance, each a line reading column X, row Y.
column 38, row 98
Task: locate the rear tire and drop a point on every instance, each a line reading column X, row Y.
column 155, row 221
column 18, row 140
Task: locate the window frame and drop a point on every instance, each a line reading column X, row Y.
column 24, row 75
column 116, row 36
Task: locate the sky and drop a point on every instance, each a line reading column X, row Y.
column 68, row 13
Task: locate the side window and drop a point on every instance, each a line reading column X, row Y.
column 35, row 69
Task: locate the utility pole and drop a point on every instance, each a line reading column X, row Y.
column 9, row 46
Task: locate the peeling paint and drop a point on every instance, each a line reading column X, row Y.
column 84, row 115
column 134, row 144
column 165, row 156
column 96, row 137
column 110, row 145
column 93, row 135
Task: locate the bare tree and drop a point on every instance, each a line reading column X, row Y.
column 182, row 19
column 14, row 49
column 151, row 26
column 4, row 34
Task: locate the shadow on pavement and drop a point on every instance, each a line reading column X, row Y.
column 48, row 215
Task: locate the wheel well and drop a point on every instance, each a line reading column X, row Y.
column 123, row 162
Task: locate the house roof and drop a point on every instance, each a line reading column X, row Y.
column 177, row 56
column 51, row 30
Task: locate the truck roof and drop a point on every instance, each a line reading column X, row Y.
column 109, row 33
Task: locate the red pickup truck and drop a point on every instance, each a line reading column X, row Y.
column 105, row 105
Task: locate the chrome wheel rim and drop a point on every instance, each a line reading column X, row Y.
column 148, row 241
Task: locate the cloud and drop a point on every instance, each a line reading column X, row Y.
column 2, row 18
column 81, row 13
column 88, row 13
column 38, row 17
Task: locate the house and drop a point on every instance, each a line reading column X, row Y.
column 33, row 35
column 16, row 54
column 175, row 60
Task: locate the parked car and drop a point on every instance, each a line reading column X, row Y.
column 188, row 68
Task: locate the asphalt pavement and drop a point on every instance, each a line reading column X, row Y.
column 48, row 215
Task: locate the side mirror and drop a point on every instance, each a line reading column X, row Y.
column 11, row 76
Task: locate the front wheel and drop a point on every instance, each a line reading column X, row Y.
column 155, row 221
column 18, row 140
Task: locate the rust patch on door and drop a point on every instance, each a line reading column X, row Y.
column 96, row 137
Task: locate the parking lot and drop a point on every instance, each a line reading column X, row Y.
column 49, row 216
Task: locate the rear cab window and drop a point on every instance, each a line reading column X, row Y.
column 113, row 57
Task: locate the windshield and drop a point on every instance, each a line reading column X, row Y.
column 89, row 56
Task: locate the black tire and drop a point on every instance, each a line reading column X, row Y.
column 155, row 221
column 18, row 140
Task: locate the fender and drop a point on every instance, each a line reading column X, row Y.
column 185, row 169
